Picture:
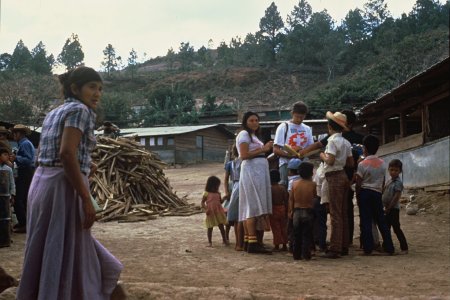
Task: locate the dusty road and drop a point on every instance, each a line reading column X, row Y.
column 167, row 258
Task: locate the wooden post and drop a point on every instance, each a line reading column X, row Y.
column 383, row 131
column 402, row 124
column 425, row 127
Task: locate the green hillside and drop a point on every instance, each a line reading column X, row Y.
column 308, row 57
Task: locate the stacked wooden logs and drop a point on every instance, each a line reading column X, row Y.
column 130, row 185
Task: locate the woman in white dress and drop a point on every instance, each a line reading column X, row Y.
column 255, row 198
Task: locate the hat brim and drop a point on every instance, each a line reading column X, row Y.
column 341, row 123
column 27, row 131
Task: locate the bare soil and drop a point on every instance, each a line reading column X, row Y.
column 167, row 258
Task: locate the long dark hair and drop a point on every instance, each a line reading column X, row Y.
column 246, row 116
column 78, row 76
column 212, row 184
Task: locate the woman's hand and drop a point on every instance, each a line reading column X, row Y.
column 89, row 213
column 268, row 146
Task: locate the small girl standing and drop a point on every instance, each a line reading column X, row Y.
column 215, row 214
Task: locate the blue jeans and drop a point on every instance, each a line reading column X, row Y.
column 371, row 208
column 283, row 175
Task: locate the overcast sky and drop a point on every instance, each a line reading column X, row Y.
column 150, row 26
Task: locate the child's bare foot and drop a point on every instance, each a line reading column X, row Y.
column 226, row 243
column 237, row 248
column 209, row 245
column 276, row 248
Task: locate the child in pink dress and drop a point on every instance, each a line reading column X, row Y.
column 215, row 214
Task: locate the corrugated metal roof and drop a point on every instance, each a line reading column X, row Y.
column 312, row 121
column 160, row 131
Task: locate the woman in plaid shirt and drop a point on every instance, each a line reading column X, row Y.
column 62, row 259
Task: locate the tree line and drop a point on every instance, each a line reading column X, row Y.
column 303, row 38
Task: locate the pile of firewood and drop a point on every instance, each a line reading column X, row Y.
column 130, row 185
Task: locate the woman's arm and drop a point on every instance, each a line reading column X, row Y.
column 245, row 154
column 226, row 183
column 71, row 138
column 281, row 153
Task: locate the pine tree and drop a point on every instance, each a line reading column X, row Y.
column 21, row 57
column 109, row 59
column 72, row 54
column 270, row 26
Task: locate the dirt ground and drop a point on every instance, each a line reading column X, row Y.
column 167, row 258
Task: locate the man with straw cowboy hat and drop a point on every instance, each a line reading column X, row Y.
column 337, row 155
column 24, row 158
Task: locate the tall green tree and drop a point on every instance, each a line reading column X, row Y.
column 224, row 54
column 109, row 59
column 186, row 56
column 170, row 58
column 202, row 55
column 300, row 15
column 21, row 57
column 40, row 62
column 319, row 28
column 355, row 27
column 132, row 63
column 294, row 46
column 251, row 50
column 376, row 12
column 270, row 26
column 72, row 54
column 426, row 15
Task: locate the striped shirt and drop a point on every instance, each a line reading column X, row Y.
column 72, row 113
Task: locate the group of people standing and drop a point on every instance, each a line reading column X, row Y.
column 16, row 173
column 294, row 201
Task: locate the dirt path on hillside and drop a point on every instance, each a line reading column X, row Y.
column 167, row 258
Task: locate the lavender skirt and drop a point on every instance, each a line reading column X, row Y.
column 62, row 260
